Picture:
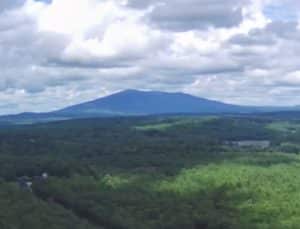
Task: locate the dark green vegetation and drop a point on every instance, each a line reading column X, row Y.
column 152, row 172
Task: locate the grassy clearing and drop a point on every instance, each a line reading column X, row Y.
column 288, row 127
column 175, row 122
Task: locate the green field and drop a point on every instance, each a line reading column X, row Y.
column 285, row 126
column 163, row 124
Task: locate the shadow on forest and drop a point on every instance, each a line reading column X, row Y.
column 268, row 160
column 157, row 198
column 159, row 203
column 259, row 159
column 262, row 159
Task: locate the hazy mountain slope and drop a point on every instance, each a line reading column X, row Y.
column 133, row 102
column 139, row 102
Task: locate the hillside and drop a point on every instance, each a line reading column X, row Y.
column 136, row 103
column 153, row 172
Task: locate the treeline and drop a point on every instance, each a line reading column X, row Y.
column 90, row 146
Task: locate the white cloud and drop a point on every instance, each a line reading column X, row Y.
column 57, row 53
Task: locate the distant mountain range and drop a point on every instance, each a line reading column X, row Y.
column 134, row 102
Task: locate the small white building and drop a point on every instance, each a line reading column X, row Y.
column 261, row 144
column 45, row 176
column 25, row 183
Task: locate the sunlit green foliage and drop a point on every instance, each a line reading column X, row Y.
column 243, row 191
column 165, row 124
column 170, row 172
column 285, row 126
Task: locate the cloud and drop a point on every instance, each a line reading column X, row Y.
column 61, row 52
column 187, row 15
column 9, row 4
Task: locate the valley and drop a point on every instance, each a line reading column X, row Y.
column 152, row 172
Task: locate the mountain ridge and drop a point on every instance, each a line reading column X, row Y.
column 135, row 103
column 153, row 102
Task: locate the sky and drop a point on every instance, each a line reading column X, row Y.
column 55, row 53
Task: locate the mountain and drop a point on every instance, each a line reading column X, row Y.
column 134, row 102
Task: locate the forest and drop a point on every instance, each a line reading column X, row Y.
column 152, row 172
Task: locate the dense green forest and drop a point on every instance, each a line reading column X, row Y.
column 152, row 172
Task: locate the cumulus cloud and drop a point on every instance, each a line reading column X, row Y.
column 178, row 15
column 9, row 4
column 186, row 15
column 60, row 52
